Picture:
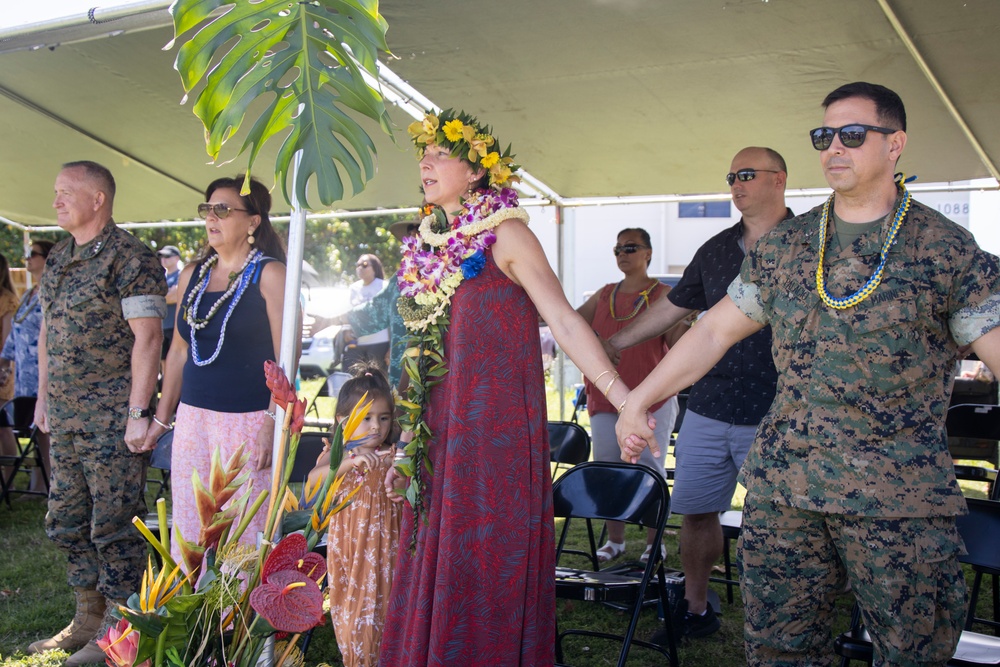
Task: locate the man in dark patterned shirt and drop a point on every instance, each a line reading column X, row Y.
column 871, row 299
column 726, row 405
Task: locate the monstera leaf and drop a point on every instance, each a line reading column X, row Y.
column 305, row 60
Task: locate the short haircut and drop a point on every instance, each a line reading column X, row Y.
column 888, row 105
column 775, row 156
column 644, row 235
column 96, row 172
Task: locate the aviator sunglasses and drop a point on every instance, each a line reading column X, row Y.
column 629, row 248
column 220, row 210
column 852, row 136
column 745, row 175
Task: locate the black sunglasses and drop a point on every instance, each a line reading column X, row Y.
column 744, row 175
column 629, row 248
column 362, row 265
column 220, row 210
column 34, row 253
column 852, row 136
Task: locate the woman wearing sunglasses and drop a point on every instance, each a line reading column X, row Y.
column 228, row 324
column 371, row 280
column 20, row 350
column 609, row 311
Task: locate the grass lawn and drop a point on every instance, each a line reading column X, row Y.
column 35, row 601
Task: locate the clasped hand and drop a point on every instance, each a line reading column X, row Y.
column 634, row 430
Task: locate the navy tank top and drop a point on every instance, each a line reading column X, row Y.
column 234, row 382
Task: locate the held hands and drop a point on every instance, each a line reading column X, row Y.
column 635, row 433
column 136, row 432
column 368, row 459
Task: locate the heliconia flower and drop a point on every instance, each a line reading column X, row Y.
column 289, row 601
column 281, row 391
column 192, row 554
column 453, row 130
column 121, row 644
column 292, row 553
column 298, row 416
column 212, row 532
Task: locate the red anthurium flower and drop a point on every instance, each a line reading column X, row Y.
column 120, row 645
column 277, row 382
column 292, row 554
column 289, row 601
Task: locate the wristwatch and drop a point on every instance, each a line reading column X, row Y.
column 138, row 413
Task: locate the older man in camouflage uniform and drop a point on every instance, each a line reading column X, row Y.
column 850, row 478
column 103, row 304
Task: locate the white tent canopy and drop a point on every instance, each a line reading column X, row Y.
column 599, row 97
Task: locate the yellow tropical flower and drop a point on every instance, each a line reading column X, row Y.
column 479, row 145
column 490, row 159
column 500, row 174
column 424, row 131
column 157, row 590
column 453, row 130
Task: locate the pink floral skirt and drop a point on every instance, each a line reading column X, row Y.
column 196, row 434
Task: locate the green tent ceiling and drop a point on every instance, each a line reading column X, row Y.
column 598, row 97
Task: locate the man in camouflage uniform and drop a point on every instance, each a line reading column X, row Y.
column 849, row 478
column 103, row 306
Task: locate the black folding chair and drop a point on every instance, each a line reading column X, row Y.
column 328, row 392
column 980, row 529
column 974, row 433
column 310, row 446
column 18, row 414
column 160, row 462
column 618, row 492
column 569, row 445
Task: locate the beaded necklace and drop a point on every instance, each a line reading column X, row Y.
column 869, row 287
column 27, row 305
column 235, row 290
column 643, row 298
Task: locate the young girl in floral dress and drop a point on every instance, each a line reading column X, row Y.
column 363, row 539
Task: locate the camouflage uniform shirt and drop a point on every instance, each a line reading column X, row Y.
column 857, row 425
column 88, row 294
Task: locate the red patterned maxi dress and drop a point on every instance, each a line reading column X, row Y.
column 480, row 588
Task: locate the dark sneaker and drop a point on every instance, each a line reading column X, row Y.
column 694, row 626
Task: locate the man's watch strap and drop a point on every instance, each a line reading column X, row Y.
column 138, row 413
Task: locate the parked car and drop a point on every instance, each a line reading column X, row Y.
column 322, row 350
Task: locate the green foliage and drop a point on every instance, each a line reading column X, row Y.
column 304, row 61
column 333, row 246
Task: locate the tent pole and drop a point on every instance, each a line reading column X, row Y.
column 936, row 85
column 560, row 274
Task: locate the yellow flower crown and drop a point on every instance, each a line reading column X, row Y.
column 467, row 139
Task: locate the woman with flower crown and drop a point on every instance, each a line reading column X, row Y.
column 475, row 581
column 228, row 324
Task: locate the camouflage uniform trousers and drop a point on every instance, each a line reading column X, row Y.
column 904, row 573
column 97, row 486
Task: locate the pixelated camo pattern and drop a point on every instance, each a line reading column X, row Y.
column 857, row 426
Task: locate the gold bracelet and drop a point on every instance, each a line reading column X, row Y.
column 610, row 384
column 602, row 375
column 622, row 406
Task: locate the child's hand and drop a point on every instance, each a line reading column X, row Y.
column 368, row 459
column 395, row 485
column 324, row 458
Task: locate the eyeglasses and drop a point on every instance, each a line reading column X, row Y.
column 744, row 175
column 220, row 210
column 34, row 253
column 852, row 136
column 629, row 248
column 362, row 265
